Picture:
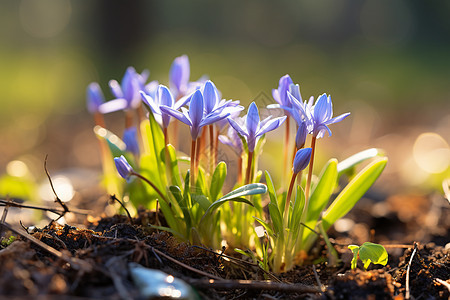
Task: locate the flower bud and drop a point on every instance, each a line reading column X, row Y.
column 301, row 159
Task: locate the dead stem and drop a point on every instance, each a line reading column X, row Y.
column 407, row 293
column 114, row 198
column 57, row 200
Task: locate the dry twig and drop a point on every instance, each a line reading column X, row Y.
column 407, row 293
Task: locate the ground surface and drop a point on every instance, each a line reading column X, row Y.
column 93, row 263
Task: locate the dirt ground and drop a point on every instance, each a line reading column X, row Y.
column 64, row 262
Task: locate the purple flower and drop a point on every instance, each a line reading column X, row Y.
column 163, row 97
column 234, row 109
column 318, row 116
column 130, row 140
column 94, row 98
column 253, row 127
column 123, row 167
column 179, row 76
column 195, row 117
column 213, row 104
column 301, row 159
column 280, row 94
column 126, row 93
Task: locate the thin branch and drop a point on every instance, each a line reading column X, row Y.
column 57, row 200
column 252, row 285
column 444, row 283
column 321, row 287
column 407, row 294
column 49, row 209
column 114, row 198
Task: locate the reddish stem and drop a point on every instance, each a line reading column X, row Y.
column 151, row 184
column 311, row 163
column 288, row 199
column 193, row 145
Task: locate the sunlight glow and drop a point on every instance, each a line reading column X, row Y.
column 431, row 153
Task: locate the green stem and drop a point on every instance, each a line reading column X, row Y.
column 167, row 157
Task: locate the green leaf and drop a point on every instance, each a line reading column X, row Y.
column 373, row 253
column 352, row 161
column 246, row 190
column 201, row 200
column 355, row 250
column 276, row 218
column 271, row 189
column 354, row 190
column 297, row 210
column 321, row 194
column 174, row 165
column 201, row 186
column 217, row 181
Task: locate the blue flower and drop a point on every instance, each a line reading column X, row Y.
column 301, row 159
column 280, row 94
column 318, row 116
column 253, row 127
column 179, row 76
column 163, row 97
column 213, row 104
column 126, row 93
column 195, row 117
column 94, row 98
column 123, row 167
column 130, row 140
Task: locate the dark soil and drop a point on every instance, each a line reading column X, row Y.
column 93, row 263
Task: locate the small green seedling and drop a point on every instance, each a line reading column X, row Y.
column 5, row 242
column 369, row 253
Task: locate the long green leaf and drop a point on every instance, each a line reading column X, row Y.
column 271, row 189
column 174, row 165
column 322, row 192
column 354, row 190
column 217, row 180
column 266, row 226
column 351, row 162
column 294, row 223
column 246, row 190
column 277, row 220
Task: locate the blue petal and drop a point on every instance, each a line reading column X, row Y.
column 252, row 120
column 276, row 97
column 271, row 125
column 321, row 109
column 337, row 119
column 196, row 108
column 165, row 96
column 94, row 97
column 300, row 137
column 182, row 101
column 237, row 127
column 211, row 119
column 116, row 89
column 123, row 167
column 294, row 90
column 149, row 101
column 113, row 105
column 176, row 114
column 210, row 96
column 179, row 74
column 301, row 159
column 130, row 140
column 320, row 130
column 283, row 88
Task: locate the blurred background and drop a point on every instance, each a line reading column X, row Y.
column 386, row 62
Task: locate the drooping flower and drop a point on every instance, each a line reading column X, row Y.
column 163, row 97
column 301, row 159
column 94, row 97
column 123, row 167
column 130, row 140
column 195, row 117
column 179, row 76
column 253, row 127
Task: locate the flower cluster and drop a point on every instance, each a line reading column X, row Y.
column 189, row 196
